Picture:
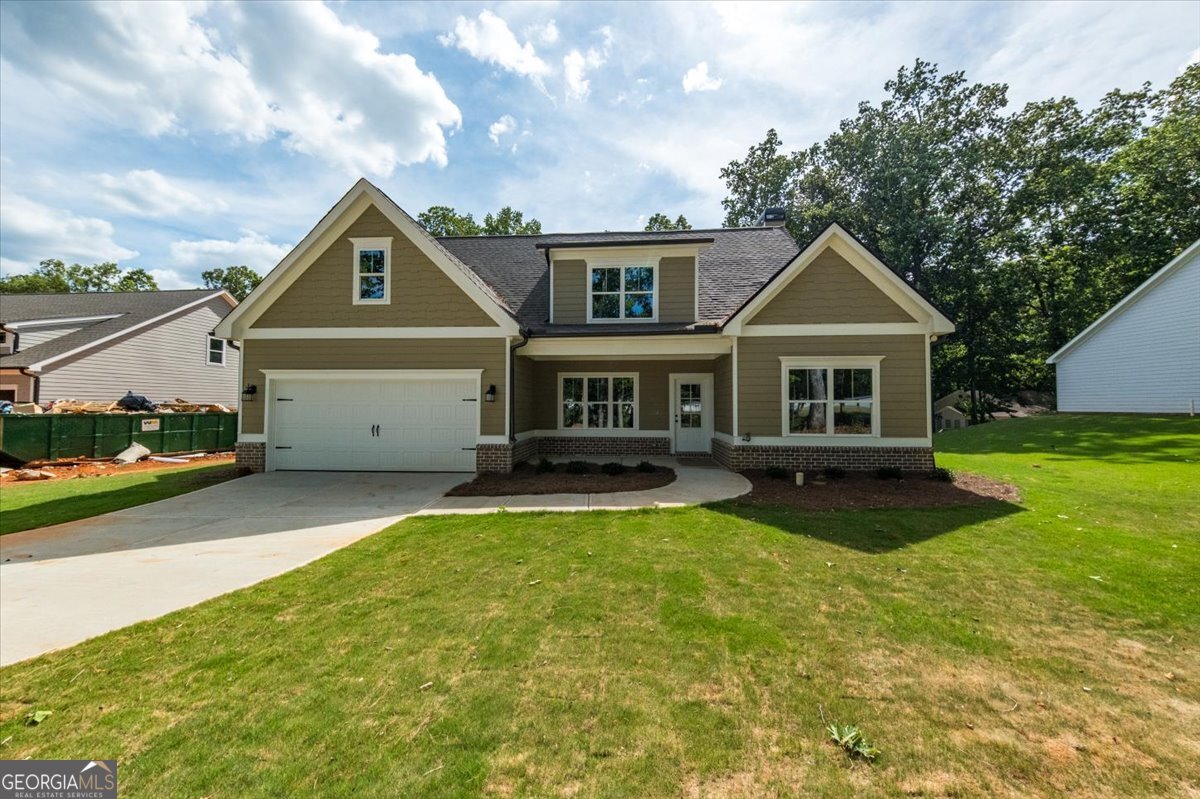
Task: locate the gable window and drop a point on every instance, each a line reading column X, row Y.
column 622, row 292
column 597, row 402
column 216, row 351
column 831, row 397
column 372, row 271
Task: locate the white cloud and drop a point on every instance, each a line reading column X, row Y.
column 501, row 127
column 697, row 79
column 546, row 34
column 32, row 232
column 288, row 71
column 167, row 279
column 488, row 38
column 145, row 192
column 252, row 249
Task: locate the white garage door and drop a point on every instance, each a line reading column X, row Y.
column 398, row 425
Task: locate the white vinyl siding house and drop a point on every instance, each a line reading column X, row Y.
column 1143, row 356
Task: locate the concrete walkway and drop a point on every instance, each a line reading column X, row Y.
column 697, row 481
column 64, row 584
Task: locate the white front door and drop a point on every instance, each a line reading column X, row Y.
column 398, row 424
column 692, row 412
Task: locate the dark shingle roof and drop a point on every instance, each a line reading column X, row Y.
column 737, row 263
column 131, row 308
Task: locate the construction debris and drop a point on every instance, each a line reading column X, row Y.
column 161, row 459
column 32, row 474
column 127, row 404
column 131, row 454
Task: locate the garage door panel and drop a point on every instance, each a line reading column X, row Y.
column 423, row 425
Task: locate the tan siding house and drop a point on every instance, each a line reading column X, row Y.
column 476, row 353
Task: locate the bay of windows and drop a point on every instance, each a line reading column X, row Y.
column 598, row 402
column 622, row 292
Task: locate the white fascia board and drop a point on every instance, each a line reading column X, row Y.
column 40, row 365
column 1129, row 299
column 313, row 333
column 849, row 329
column 58, row 322
column 631, row 255
column 858, row 256
column 372, row 374
column 629, row 347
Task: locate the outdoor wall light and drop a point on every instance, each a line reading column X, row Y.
column 249, row 391
column 490, row 394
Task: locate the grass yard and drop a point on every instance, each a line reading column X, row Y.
column 27, row 505
column 1045, row 648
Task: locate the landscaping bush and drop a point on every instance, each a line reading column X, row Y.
column 645, row 467
column 889, row 473
column 777, row 473
column 543, row 466
column 834, row 472
column 942, row 475
column 613, row 468
column 578, row 467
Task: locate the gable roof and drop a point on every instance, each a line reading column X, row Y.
column 127, row 311
column 1145, row 288
column 736, row 263
column 338, row 218
column 862, row 258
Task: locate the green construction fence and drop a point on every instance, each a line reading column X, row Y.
column 51, row 436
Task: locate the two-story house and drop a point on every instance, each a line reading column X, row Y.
column 375, row 346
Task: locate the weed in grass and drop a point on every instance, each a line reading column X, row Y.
column 36, row 717
column 852, row 742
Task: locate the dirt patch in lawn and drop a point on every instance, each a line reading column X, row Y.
column 525, row 479
column 73, row 469
column 865, row 490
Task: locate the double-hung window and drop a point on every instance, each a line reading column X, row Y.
column 216, row 351
column 597, row 402
column 622, row 292
column 831, row 397
column 372, row 271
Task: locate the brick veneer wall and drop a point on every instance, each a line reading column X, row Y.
column 739, row 457
column 584, row 446
column 251, row 455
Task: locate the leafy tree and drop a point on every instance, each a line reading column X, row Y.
column 663, row 222
column 237, row 280
column 507, row 222
column 53, row 276
column 442, row 220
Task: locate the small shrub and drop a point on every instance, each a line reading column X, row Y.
column 543, row 466
column 646, row 467
column 578, row 467
column 613, row 468
column 834, row 472
column 942, row 475
column 889, row 473
column 850, row 739
column 777, row 473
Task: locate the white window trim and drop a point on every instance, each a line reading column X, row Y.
column 622, row 264
column 849, row 362
column 380, row 243
column 208, row 350
column 610, row 430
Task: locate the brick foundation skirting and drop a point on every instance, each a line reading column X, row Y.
column 740, row 457
column 251, row 455
column 587, row 446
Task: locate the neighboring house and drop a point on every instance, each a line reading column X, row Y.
column 949, row 417
column 376, row 346
column 1143, row 355
column 97, row 346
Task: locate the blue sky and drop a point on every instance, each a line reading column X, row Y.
column 181, row 137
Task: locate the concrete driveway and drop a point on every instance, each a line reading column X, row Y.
column 63, row 584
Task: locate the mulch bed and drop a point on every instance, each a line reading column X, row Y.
column 865, row 490
column 524, row 479
column 73, row 469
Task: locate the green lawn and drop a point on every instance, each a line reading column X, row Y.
column 1042, row 649
column 24, row 506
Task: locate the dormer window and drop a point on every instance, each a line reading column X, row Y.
column 619, row 293
column 372, row 271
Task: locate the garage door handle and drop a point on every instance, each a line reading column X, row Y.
column 283, row 448
column 468, row 449
column 283, row 399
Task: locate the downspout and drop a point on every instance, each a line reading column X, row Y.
column 512, row 387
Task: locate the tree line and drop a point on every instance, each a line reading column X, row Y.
column 1023, row 225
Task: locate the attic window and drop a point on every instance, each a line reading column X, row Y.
column 618, row 293
column 372, row 271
